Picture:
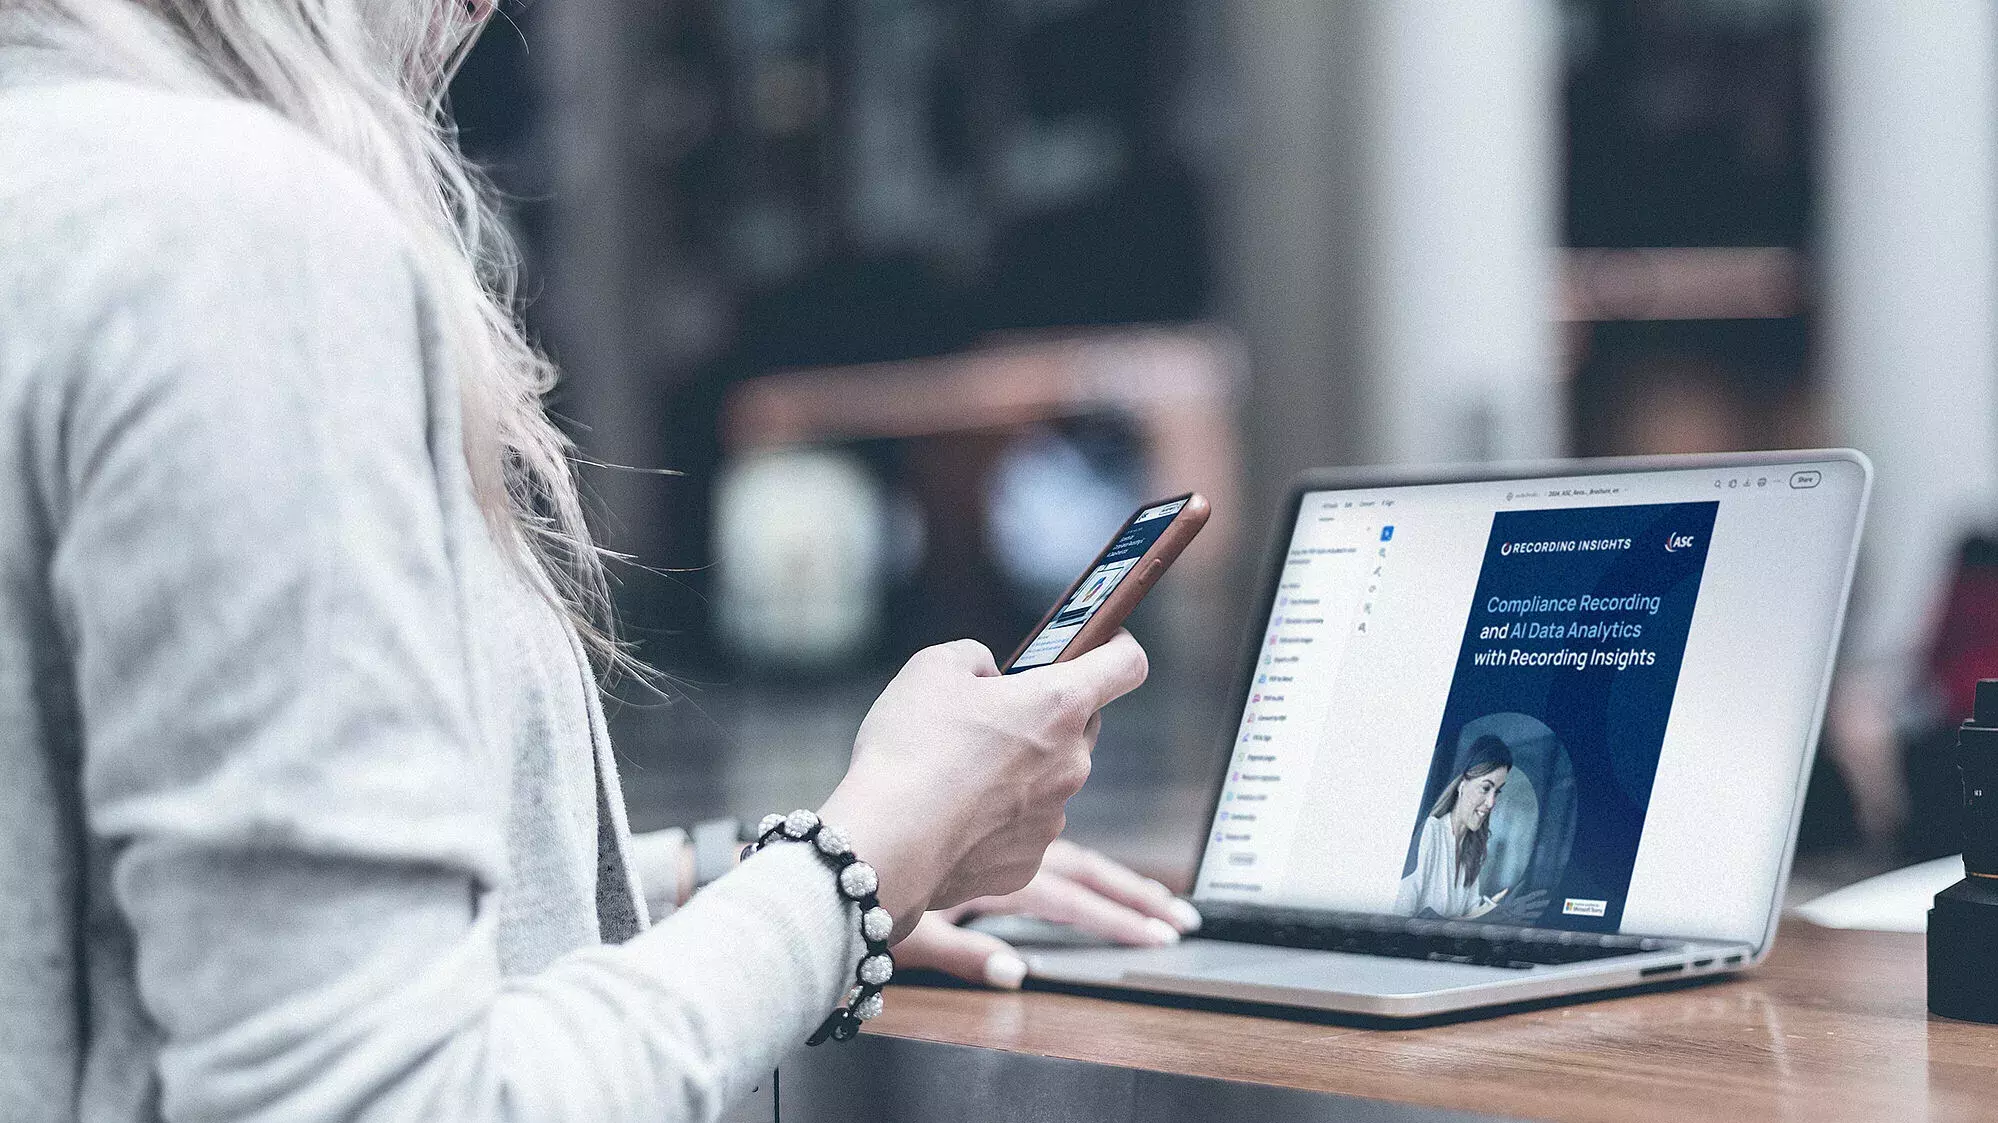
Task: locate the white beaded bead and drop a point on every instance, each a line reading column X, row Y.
column 833, row 842
column 875, row 923
column 858, row 880
column 876, row 970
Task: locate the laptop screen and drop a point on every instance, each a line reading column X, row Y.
column 1578, row 702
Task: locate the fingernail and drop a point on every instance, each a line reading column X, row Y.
column 1005, row 970
column 1186, row 914
column 1160, row 932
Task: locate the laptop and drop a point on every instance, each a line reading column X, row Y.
column 1514, row 733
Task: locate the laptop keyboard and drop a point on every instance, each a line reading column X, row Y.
column 1436, row 941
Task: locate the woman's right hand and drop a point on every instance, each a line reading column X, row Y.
column 960, row 775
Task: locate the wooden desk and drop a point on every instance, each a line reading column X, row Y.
column 1833, row 1027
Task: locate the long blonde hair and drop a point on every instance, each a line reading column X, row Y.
column 367, row 79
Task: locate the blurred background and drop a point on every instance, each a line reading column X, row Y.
column 890, row 310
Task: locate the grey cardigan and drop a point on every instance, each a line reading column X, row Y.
column 306, row 806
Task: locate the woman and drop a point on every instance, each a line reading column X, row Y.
column 310, row 811
column 1451, row 850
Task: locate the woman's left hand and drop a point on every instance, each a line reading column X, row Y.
column 1074, row 886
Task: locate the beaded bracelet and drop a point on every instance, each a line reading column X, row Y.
column 857, row 883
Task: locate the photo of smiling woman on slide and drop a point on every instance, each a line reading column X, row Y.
column 1454, row 839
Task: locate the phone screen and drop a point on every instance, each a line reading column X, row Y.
column 1103, row 578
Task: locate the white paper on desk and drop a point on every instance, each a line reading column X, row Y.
column 1897, row 901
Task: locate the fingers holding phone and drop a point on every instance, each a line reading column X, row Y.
column 1095, row 678
column 960, row 777
column 961, row 773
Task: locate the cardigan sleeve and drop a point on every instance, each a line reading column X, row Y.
column 283, row 762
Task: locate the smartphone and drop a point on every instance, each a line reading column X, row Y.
column 1095, row 606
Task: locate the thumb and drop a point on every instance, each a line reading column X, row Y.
column 938, row 945
column 1100, row 676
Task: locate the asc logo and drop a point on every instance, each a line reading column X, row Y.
column 1676, row 542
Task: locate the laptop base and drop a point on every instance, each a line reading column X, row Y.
column 1371, row 986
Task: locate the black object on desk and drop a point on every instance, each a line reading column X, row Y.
column 1963, row 925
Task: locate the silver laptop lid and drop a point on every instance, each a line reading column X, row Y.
column 1583, row 695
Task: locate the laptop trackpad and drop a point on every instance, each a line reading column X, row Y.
column 1110, row 965
column 1261, row 966
column 1337, row 972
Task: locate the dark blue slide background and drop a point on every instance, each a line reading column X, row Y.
column 1610, row 721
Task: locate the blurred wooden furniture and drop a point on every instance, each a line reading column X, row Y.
column 1177, row 385
column 1833, row 1027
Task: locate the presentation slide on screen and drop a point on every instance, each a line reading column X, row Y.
column 1575, row 703
column 1543, row 768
